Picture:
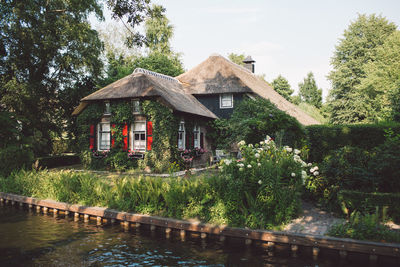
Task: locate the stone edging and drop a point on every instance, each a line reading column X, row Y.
column 343, row 245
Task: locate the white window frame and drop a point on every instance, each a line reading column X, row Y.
column 196, row 136
column 132, row 137
column 182, row 133
column 107, row 108
column 136, row 104
column 100, row 147
column 221, row 106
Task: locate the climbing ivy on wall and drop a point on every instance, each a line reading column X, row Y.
column 164, row 148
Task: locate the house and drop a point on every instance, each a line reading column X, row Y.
column 207, row 92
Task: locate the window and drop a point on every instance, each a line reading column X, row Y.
column 138, row 140
column 196, row 136
column 107, row 108
column 104, row 136
column 136, row 106
column 181, row 135
column 226, row 101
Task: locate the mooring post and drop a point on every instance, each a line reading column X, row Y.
column 182, row 233
column 1, row 200
column 86, row 217
column 152, row 227
column 66, row 213
column 248, row 242
column 45, row 209
column 315, row 252
column 98, row 219
column 21, row 204
column 137, row 224
column 55, row 212
column 168, row 232
column 294, row 249
column 125, row 224
column 76, row 216
column 30, row 206
column 38, row 208
column 12, row 203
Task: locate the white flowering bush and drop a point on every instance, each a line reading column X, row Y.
column 264, row 187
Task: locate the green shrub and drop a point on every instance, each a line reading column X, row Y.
column 15, row 157
column 264, row 188
column 365, row 227
column 387, row 203
column 57, row 161
column 323, row 139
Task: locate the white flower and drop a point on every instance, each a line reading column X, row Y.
column 261, row 142
column 316, row 168
column 303, row 164
column 309, row 164
column 257, row 155
column 249, row 166
column 293, row 174
column 220, row 167
column 241, row 165
column 303, row 175
column 288, row 149
column 316, row 173
column 240, row 169
column 259, row 182
column 296, row 151
column 259, row 164
column 242, row 143
column 250, row 145
column 312, row 170
column 227, row 162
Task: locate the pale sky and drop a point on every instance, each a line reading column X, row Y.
column 283, row 37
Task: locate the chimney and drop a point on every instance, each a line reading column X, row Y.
column 249, row 63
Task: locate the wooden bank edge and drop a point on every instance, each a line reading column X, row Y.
column 316, row 241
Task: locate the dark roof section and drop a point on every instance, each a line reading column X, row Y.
column 144, row 83
column 218, row 75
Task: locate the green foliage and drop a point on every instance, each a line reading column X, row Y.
column 322, row 139
column 252, row 120
column 264, row 188
column 313, row 112
column 355, row 50
column 381, row 85
column 237, row 58
column 282, row 86
column 385, row 203
column 46, row 56
column 57, row 161
column 158, row 31
column 365, row 227
column 309, row 92
column 14, row 157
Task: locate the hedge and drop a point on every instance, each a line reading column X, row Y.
column 322, row 139
column 367, row 202
column 57, row 161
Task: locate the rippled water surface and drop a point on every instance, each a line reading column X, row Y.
column 31, row 239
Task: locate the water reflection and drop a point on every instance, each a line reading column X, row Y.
column 37, row 239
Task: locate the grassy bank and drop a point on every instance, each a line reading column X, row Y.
column 206, row 199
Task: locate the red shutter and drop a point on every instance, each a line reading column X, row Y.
column 149, row 135
column 112, row 138
column 201, row 140
column 125, row 137
column 91, row 137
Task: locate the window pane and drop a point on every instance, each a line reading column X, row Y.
column 139, row 126
column 105, row 127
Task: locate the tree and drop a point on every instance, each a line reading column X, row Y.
column 237, row 58
column 47, row 48
column 381, row 84
column 158, row 31
column 357, row 48
column 282, row 86
column 309, row 92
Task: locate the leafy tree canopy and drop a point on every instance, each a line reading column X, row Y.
column 237, row 58
column 357, row 48
column 309, row 92
column 282, row 86
column 381, row 85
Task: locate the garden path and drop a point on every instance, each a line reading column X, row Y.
column 312, row 221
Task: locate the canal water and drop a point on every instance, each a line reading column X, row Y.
column 31, row 239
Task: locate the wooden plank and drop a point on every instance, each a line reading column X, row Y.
column 342, row 244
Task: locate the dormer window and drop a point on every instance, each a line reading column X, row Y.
column 107, row 108
column 226, row 101
column 136, row 106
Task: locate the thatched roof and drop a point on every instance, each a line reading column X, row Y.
column 149, row 84
column 218, row 75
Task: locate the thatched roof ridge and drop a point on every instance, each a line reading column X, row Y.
column 146, row 84
column 218, row 75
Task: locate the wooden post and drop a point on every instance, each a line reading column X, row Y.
column 38, row 208
column 98, row 219
column 66, row 213
column 168, row 232
column 152, row 228
column 30, row 206
column 203, row 235
column 1, row 200
column 86, row 217
column 76, row 216
column 315, row 252
column 21, row 204
column 125, row 224
column 373, row 259
column 55, row 212
column 45, row 210
column 248, row 242
column 12, row 203
column 182, row 233
column 294, row 249
column 137, row 225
